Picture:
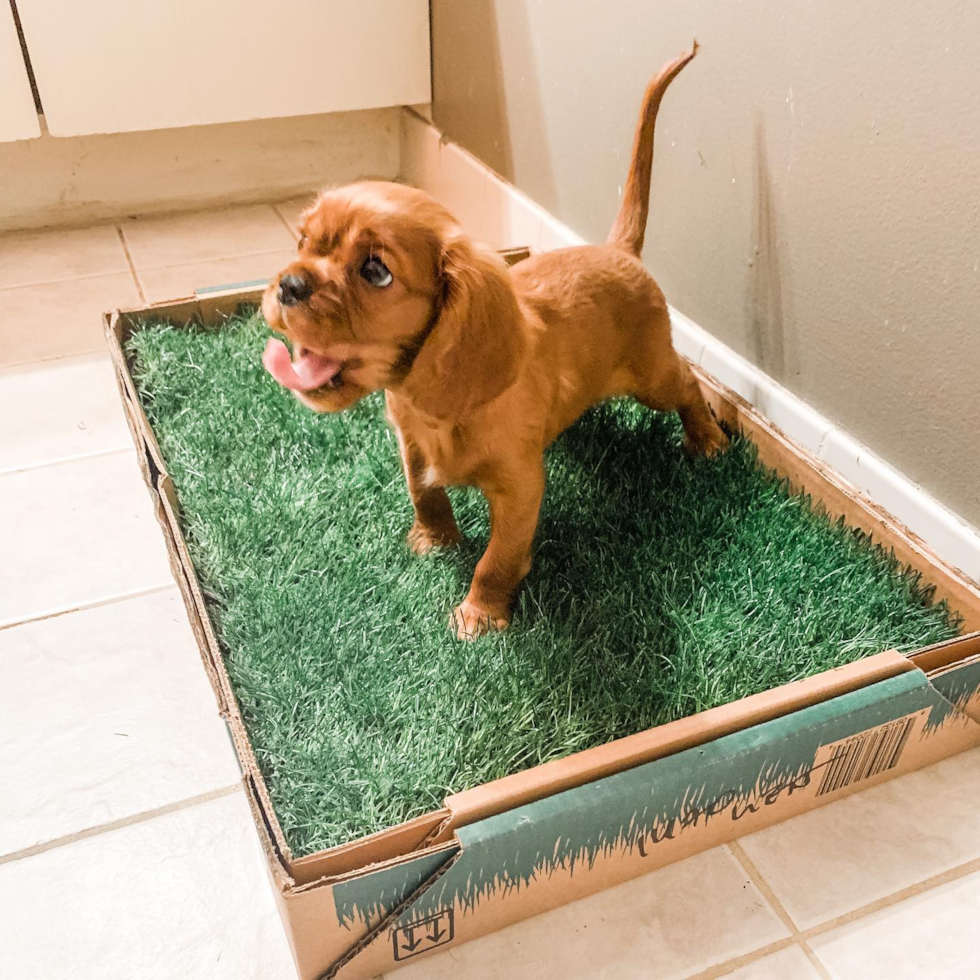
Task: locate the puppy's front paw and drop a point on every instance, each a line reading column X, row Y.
column 468, row 621
column 422, row 539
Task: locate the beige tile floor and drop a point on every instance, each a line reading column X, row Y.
column 126, row 849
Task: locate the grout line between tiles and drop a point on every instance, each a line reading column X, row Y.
column 953, row 874
column 721, row 970
column 131, row 264
column 58, row 460
column 283, row 219
column 37, row 362
column 96, row 604
column 801, row 937
column 275, row 267
column 755, row 876
column 105, row 828
column 760, row 882
column 18, row 368
column 54, row 282
column 815, row 961
column 154, row 267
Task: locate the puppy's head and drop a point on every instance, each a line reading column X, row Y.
column 386, row 292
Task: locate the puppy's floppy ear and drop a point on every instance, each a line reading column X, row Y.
column 475, row 347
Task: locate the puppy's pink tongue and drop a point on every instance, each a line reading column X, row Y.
column 307, row 372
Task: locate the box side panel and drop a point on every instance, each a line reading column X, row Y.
column 633, row 750
column 383, row 846
column 555, row 850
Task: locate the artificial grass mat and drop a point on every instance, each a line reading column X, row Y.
column 661, row 586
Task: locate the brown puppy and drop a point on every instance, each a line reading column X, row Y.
column 483, row 366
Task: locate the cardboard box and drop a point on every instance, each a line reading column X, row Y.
column 532, row 841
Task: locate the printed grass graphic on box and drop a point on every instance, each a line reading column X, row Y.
column 958, row 687
column 636, row 810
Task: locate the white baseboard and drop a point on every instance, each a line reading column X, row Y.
column 497, row 212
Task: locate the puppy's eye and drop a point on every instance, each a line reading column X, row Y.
column 376, row 273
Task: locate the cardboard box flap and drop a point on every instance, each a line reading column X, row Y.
column 719, row 790
column 959, row 686
column 624, row 753
column 940, row 656
column 276, row 861
column 365, row 852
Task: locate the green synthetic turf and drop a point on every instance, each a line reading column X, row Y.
column 661, row 586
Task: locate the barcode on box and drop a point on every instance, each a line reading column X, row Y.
column 866, row 755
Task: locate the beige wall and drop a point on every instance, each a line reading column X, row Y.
column 816, row 199
column 59, row 181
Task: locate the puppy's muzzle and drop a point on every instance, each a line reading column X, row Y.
column 293, row 290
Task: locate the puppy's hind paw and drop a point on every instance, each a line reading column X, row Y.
column 422, row 539
column 708, row 443
column 469, row 621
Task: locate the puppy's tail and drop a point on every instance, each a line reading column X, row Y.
column 631, row 222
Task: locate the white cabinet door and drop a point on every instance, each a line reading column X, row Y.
column 110, row 66
column 18, row 117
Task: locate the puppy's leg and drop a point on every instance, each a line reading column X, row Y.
column 434, row 525
column 673, row 387
column 514, row 508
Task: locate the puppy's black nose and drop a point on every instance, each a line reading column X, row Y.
column 293, row 290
